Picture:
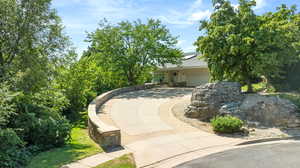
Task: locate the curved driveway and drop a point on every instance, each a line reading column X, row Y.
column 152, row 133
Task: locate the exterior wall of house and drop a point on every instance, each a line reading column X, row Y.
column 197, row 76
column 191, row 77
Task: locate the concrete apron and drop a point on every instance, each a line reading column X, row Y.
column 155, row 136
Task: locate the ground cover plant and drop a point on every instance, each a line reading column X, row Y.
column 226, row 124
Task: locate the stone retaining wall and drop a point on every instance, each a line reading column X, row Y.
column 103, row 134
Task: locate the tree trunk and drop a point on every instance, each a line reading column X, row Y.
column 250, row 88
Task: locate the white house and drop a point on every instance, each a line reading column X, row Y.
column 192, row 72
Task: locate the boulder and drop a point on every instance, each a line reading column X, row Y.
column 208, row 99
column 270, row 111
column 263, row 110
column 226, row 98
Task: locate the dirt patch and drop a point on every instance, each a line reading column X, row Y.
column 252, row 133
column 178, row 112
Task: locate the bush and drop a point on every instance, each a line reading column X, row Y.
column 44, row 133
column 12, row 151
column 7, row 107
column 226, row 124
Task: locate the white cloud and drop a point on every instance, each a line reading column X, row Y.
column 235, row 6
column 197, row 4
column 117, row 9
column 86, row 15
column 200, row 15
column 180, row 42
column 189, row 49
column 260, row 4
column 191, row 16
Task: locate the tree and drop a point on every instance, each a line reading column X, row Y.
column 133, row 50
column 31, row 42
column 240, row 45
column 283, row 44
column 33, row 49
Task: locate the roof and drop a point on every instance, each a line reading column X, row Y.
column 191, row 60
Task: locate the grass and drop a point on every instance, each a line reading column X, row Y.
column 125, row 161
column 81, row 146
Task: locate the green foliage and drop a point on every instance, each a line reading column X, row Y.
column 12, row 151
column 226, row 124
column 79, row 147
column 81, row 83
column 7, row 107
column 260, row 87
column 32, row 49
column 240, row 45
column 129, row 51
column 43, row 133
column 38, row 119
column 32, row 43
column 289, row 79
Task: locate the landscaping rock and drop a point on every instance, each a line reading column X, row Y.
column 225, row 98
column 260, row 110
column 207, row 99
column 270, row 111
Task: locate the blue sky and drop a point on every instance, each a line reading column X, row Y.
column 180, row 16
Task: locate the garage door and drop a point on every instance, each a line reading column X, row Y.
column 196, row 77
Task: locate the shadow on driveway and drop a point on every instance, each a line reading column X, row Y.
column 157, row 93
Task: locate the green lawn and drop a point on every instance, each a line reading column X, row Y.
column 80, row 147
column 125, row 161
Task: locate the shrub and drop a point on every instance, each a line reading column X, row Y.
column 39, row 121
column 7, row 107
column 226, row 124
column 44, row 133
column 12, row 151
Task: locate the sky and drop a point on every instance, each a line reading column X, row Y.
column 180, row 16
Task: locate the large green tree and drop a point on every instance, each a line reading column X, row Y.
column 31, row 42
column 132, row 49
column 282, row 42
column 33, row 50
column 240, row 45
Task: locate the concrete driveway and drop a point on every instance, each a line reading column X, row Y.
column 280, row 155
column 152, row 133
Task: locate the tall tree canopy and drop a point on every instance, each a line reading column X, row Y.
column 33, row 50
column 133, row 49
column 31, row 42
column 240, row 45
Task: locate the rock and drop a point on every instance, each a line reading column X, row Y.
column 232, row 108
column 269, row 111
column 207, row 99
column 225, row 98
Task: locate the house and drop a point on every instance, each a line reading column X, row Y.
column 191, row 72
